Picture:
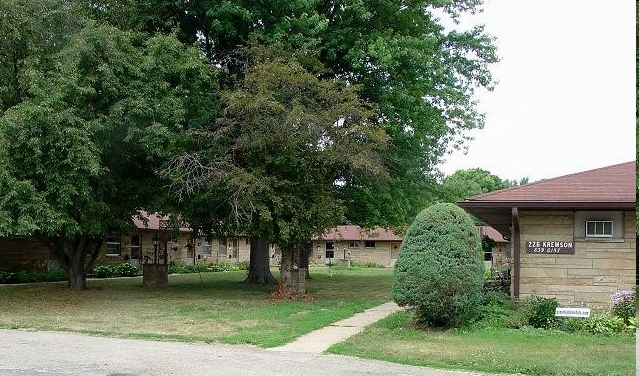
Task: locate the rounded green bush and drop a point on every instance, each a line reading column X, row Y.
column 439, row 271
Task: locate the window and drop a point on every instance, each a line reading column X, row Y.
column 206, row 247
column 330, row 250
column 233, row 246
column 113, row 245
column 221, row 248
column 353, row 244
column 599, row 225
column 599, row 229
column 369, row 244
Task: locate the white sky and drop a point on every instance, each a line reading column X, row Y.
column 566, row 94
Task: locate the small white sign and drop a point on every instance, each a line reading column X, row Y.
column 572, row 312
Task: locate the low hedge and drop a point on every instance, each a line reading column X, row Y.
column 33, row 276
column 116, row 270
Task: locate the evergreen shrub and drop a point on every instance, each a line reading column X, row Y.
column 439, row 271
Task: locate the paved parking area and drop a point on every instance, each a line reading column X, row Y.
column 31, row 353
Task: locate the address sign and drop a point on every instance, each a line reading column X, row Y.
column 550, row 247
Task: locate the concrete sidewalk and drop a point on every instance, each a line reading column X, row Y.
column 318, row 341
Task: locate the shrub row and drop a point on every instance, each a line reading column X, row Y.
column 498, row 311
column 32, row 276
column 116, row 270
column 218, row 267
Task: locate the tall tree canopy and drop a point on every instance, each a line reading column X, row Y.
column 418, row 77
column 470, row 182
column 81, row 146
column 345, row 121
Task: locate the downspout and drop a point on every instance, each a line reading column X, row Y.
column 516, row 251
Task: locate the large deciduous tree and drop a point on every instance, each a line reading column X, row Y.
column 419, row 77
column 80, row 149
column 290, row 137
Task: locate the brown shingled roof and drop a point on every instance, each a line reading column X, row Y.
column 153, row 221
column 492, row 233
column 352, row 232
column 607, row 186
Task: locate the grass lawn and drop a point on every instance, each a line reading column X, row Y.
column 219, row 308
column 528, row 351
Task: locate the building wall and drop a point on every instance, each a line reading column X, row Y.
column 502, row 256
column 24, row 254
column 597, row 269
column 384, row 253
column 178, row 251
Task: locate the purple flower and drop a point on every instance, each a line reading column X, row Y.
column 622, row 295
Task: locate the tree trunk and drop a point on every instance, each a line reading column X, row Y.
column 259, row 264
column 293, row 280
column 304, row 254
column 76, row 256
column 286, row 266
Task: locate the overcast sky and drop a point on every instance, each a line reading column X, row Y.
column 566, row 94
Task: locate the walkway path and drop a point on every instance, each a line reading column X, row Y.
column 318, row 341
column 31, row 353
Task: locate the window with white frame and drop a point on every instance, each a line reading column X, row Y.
column 599, row 225
column 353, row 244
column 113, row 245
column 369, row 244
column 599, row 229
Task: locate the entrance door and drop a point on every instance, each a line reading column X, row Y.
column 394, row 253
column 135, row 248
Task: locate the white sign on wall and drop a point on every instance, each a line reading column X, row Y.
column 572, row 312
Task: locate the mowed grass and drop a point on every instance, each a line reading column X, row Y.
column 527, row 351
column 215, row 308
column 219, row 308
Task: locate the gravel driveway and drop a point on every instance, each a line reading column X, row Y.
column 32, row 353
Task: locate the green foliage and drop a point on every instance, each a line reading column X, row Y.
column 632, row 325
column 116, row 270
column 417, row 79
column 80, row 151
column 32, row 276
column 624, row 304
column 492, row 311
column 539, row 312
column 568, row 324
column 175, row 268
column 604, row 324
column 463, row 184
column 127, row 270
column 497, row 279
column 273, row 160
column 439, row 271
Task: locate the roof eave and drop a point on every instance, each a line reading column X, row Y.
column 568, row 205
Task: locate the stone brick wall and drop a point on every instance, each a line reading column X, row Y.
column 380, row 255
column 598, row 269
